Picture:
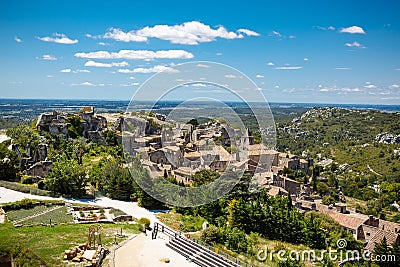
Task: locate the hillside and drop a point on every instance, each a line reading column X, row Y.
column 347, row 136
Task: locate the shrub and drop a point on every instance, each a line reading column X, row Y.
column 40, row 185
column 211, row 234
column 144, row 221
column 26, row 180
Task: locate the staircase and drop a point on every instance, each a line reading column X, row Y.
column 195, row 252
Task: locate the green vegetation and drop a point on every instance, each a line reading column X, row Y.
column 75, row 128
column 9, row 164
column 144, row 221
column 347, row 136
column 66, row 178
column 25, row 137
column 58, row 215
column 46, row 244
column 26, row 188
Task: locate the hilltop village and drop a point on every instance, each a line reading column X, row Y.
column 178, row 151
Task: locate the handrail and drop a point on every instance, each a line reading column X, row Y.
column 158, row 227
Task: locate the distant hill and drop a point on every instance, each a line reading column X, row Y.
column 348, row 136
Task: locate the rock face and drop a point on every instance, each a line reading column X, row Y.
column 386, row 138
column 56, row 123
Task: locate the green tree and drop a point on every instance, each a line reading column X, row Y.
column 314, row 235
column 111, row 138
column 381, row 249
column 25, row 136
column 204, row 177
column 74, row 125
column 322, row 189
column 328, row 200
column 212, row 235
column 67, row 177
column 9, row 165
column 194, row 122
column 238, row 216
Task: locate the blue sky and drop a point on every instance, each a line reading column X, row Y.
column 295, row 51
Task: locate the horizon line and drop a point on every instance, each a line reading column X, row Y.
column 180, row 100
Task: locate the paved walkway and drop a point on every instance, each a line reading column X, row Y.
column 144, row 252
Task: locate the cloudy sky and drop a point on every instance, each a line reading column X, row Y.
column 295, row 51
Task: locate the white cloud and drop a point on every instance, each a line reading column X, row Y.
column 119, row 35
column 394, row 86
column 87, row 84
column 292, row 37
column 18, row 40
column 155, row 69
column 49, row 57
column 340, row 89
column 81, row 71
column 66, row 70
column 276, row 86
column 385, row 93
column 202, row 65
column 259, row 76
column 354, row 44
column 58, row 38
column 306, row 59
column 346, row 89
column 92, row 63
column 136, row 54
column 49, row 76
column 103, row 44
column 248, row 32
column 370, row 86
column 196, row 84
column 218, row 54
column 190, row 33
column 230, row 76
column 342, row 68
column 275, row 33
column 125, row 71
column 330, row 28
column 270, row 64
column 289, row 68
column 353, row 30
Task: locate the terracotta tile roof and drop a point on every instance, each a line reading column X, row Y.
column 389, row 226
column 346, row 220
column 391, row 237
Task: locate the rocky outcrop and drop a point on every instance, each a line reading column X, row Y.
column 386, row 138
column 56, row 124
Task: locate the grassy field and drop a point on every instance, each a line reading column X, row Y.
column 49, row 243
column 58, row 215
column 180, row 222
